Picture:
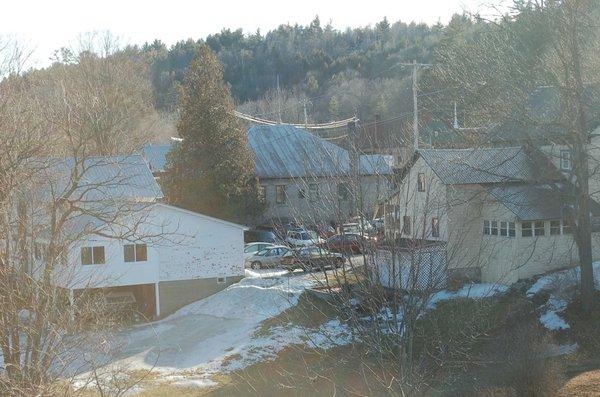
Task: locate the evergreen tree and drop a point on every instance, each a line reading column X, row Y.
column 212, row 170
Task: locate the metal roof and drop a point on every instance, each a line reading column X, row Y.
column 156, row 156
column 101, row 178
column 488, row 165
column 284, row 151
column 536, row 202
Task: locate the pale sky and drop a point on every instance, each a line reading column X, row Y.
column 46, row 25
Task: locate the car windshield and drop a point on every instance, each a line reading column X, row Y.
column 303, row 236
column 264, row 252
column 251, row 248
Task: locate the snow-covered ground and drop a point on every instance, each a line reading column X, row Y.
column 561, row 286
column 219, row 334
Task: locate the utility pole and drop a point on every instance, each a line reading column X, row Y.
column 305, row 115
column 278, row 100
column 353, row 165
column 415, row 89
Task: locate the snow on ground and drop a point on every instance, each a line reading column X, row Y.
column 473, row 291
column 561, row 286
column 562, row 281
column 550, row 319
column 220, row 334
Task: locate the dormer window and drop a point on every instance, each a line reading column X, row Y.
column 565, row 160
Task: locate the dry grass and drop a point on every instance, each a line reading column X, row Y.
column 586, row 384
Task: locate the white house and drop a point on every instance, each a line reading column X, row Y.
column 127, row 240
column 501, row 212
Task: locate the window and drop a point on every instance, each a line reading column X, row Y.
column 507, row 229
column 262, row 193
column 280, row 194
column 526, row 229
column 406, row 226
column 539, row 229
column 565, row 160
column 313, row 191
column 435, row 227
column 135, row 252
column 490, row 228
column 421, row 182
column 555, row 228
column 221, row 280
column 566, row 227
column 494, row 228
column 92, row 255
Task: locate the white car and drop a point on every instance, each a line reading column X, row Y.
column 251, row 249
column 269, row 257
column 302, row 238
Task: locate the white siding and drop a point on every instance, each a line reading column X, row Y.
column 181, row 245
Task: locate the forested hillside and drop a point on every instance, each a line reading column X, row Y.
column 339, row 71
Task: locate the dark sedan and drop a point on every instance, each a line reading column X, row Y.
column 349, row 243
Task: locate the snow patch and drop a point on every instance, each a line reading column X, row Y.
column 473, row 291
column 562, row 281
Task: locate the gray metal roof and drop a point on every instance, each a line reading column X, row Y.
column 284, row 151
column 156, row 156
column 536, row 202
column 101, row 178
column 488, row 165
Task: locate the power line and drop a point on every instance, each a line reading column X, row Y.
column 322, row 126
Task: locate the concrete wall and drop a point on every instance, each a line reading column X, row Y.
column 328, row 205
column 176, row 294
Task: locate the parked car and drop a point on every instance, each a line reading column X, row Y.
column 350, row 243
column 378, row 223
column 357, row 225
column 263, row 236
column 312, row 258
column 251, row 249
column 302, row 238
column 325, row 231
column 267, row 258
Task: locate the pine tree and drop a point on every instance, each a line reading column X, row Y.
column 212, row 170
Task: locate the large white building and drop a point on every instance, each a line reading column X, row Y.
column 502, row 213
column 128, row 241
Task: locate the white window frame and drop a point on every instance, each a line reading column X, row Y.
column 435, row 227
column 507, row 229
column 135, row 253
column 558, row 227
column 421, row 182
column 92, row 256
column 530, row 228
column 566, row 163
column 536, row 228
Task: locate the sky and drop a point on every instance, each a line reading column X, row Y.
column 43, row 26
